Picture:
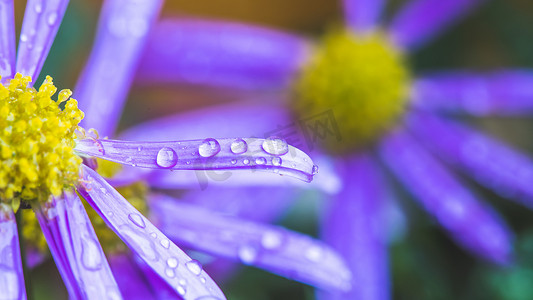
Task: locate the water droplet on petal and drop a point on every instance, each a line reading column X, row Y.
column 239, row 146
column 181, row 290
column 136, row 219
column 110, row 213
column 183, row 282
column 170, row 272
column 271, row 240
column 166, row 158
column 165, row 243
column 172, row 262
column 276, row 161
column 23, row 38
column 233, row 161
column 209, row 147
column 315, row 169
column 275, row 146
column 52, row 18
column 140, row 148
column 260, row 161
column 246, row 161
column 194, row 267
column 38, row 8
column 247, row 254
column 153, row 235
column 202, row 280
column 314, row 253
column 91, row 257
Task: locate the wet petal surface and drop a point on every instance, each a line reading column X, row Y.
column 7, row 39
column 11, row 275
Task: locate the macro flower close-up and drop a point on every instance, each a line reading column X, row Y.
column 353, row 99
column 49, row 178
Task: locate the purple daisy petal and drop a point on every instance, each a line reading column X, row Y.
column 161, row 289
column 420, row 20
column 7, row 39
column 272, row 248
column 489, row 161
column 221, row 53
column 272, row 155
column 11, row 275
column 76, row 250
column 145, row 240
column 39, row 28
column 363, row 15
column 355, row 226
column 508, row 92
column 472, row 223
column 105, row 82
column 130, row 278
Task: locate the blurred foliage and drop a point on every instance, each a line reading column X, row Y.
column 425, row 263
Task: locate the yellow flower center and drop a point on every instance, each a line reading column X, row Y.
column 363, row 80
column 36, row 141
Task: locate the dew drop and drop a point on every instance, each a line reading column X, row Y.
column 170, row 273
column 91, row 257
column 314, row 253
column 260, row 161
column 246, row 161
column 247, row 254
column 233, row 161
column 209, row 147
column 183, row 282
column 275, row 146
column 166, row 158
column 172, row 262
column 239, row 146
column 136, row 219
column 64, row 95
column 202, row 280
column 110, row 214
column 271, row 240
column 276, row 161
column 38, row 8
column 315, row 169
column 52, row 18
column 153, row 235
column 181, row 290
column 140, row 148
column 194, row 267
column 23, row 38
column 165, row 243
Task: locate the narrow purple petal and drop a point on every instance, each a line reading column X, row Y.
column 486, row 159
column 471, row 223
column 103, row 86
column 271, row 155
column 161, row 289
column 39, row 29
column 11, row 275
column 355, row 226
column 130, row 279
column 7, row 39
column 363, row 15
column 145, row 240
column 76, row 250
column 420, row 20
column 221, row 53
column 508, row 92
column 272, row 248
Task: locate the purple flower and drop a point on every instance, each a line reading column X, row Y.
column 361, row 98
column 42, row 150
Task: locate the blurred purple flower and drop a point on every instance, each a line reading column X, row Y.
column 246, row 57
column 124, row 26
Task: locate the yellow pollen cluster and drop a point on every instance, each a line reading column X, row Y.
column 36, row 141
column 363, row 80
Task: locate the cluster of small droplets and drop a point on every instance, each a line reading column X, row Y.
column 363, row 80
column 36, row 141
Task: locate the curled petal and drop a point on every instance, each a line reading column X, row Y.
column 76, row 250
column 103, row 86
column 145, row 240
column 41, row 22
column 7, row 39
column 472, row 223
column 488, row 160
column 130, row 278
column 11, row 275
column 221, row 53
column 421, row 20
column 508, row 92
column 273, row 155
column 355, row 226
column 273, row 248
column 363, row 15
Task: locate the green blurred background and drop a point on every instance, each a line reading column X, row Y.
column 425, row 263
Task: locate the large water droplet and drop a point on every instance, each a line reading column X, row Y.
column 209, row 147
column 276, row 161
column 166, row 158
column 91, row 257
column 194, row 266
column 165, row 243
column 260, row 161
column 136, row 219
column 271, row 240
column 275, row 146
column 172, row 262
column 247, row 254
column 239, row 146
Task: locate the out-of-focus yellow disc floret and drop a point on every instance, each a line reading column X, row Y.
column 36, row 141
column 362, row 79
